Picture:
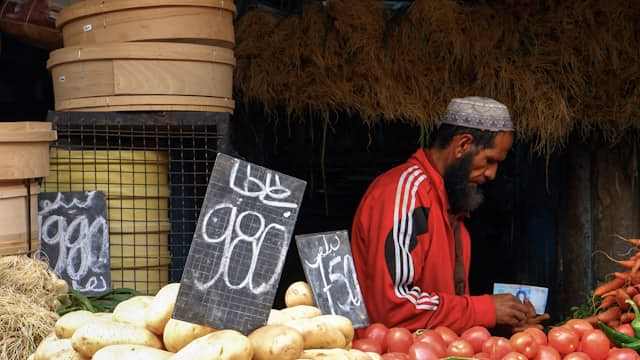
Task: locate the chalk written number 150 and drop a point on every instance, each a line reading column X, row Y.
column 336, row 275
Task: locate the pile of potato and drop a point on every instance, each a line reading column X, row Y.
column 142, row 328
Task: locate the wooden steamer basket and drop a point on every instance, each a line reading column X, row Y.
column 14, row 224
column 158, row 76
column 190, row 21
column 24, row 149
column 24, row 156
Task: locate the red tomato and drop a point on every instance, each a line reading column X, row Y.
column 460, row 348
column 423, row 351
column 377, row 332
column 367, row 345
column 563, row 339
column 576, row 356
column 476, row 336
column 447, row 334
column 625, row 329
column 514, row 355
column 497, row 347
column 546, row 352
column 482, row 356
column 580, row 326
column 595, row 344
column 539, row 335
column 433, row 339
column 398, row 339
column 395, row 356
column 524, row 343
column 622, row 354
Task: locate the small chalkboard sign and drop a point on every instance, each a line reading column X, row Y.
column 74, row 238
column 239, row 246
column 328, row 267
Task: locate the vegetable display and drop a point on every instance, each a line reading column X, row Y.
column 577, row 339
column 141, row 327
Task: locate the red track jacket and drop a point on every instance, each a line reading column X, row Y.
column 404, row 253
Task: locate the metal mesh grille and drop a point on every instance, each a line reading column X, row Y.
column 154, row 171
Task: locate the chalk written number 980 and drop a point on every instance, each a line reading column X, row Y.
column 339, row 272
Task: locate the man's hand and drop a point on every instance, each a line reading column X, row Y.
column 532, row 320
column 510, row 311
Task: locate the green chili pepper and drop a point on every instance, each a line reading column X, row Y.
column 617, row 337
column 635, row 324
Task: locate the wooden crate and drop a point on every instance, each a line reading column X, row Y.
column 24, row 149
column 194, row 21
column 143, row 76
column 13, row 218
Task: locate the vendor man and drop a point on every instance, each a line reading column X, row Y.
column 410, row 246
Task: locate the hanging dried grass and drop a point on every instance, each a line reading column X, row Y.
column 559, row 66
column 254, row 55
column 23, row 323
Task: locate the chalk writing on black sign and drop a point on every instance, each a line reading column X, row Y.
column 233, row 231
column 74, row 238
column 239, row 246
column 329, row 269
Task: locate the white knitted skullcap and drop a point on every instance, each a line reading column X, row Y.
column 478, row 113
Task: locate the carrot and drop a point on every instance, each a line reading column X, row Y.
column 621, row 275
column 626, row 263
column 634, row 242
column 608, row 286
column 634, row 269
column 612, row 313
column 636, row 299
column 635, row 278
column 627, row 317
column 607, row 302
column 621, row 298
column 593, row 319
column 632, row 291
column 613, row 323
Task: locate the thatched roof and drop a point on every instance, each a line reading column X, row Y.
column 560, row 66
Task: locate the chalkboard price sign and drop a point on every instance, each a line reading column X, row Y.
column 328, row 266
column 239, row 246
column 74, row 237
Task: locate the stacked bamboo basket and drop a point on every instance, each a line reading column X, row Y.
column 138, row 55
column 24, row 157
column 145, row 55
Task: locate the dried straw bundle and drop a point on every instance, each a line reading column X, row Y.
column 23, row 323
column 559, row 66
column 32, row 278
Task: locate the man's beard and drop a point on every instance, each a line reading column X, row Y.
column 462, row 196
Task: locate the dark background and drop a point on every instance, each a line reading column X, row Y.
column 513, row 232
